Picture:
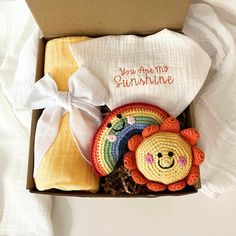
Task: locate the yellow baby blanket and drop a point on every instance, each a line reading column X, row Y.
column 63, row 166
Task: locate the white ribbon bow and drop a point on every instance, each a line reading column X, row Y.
column 85, row 94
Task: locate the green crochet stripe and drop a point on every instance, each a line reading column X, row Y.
column 138, row 120
column 110, row 160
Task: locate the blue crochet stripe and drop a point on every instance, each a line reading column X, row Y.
column 120, row 146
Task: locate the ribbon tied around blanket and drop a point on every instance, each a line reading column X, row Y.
column 85, row 94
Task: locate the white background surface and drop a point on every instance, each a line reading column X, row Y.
column 192, row 215
column 23, row 214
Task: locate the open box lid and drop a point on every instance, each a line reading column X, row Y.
column 102, row 17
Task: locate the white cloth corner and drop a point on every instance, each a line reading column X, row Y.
column 21, row 212
column 81, row 101
column 215, row 105
column 166, row 69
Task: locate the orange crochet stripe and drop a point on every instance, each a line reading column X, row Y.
column 107, row 143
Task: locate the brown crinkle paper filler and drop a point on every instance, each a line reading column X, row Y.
column 120, row 180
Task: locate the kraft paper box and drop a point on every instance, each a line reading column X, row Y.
column 99, row 18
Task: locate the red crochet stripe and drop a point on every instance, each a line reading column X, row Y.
column 97, row 169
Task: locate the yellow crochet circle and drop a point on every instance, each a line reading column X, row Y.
column 164, row 157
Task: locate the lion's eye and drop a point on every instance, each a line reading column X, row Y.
column 119, row 116
column 170, row 154
column 109, row 125
column 159, row 154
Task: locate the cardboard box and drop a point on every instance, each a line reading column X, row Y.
column 98, row 18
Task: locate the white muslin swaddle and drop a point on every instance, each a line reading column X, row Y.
column 166, row 69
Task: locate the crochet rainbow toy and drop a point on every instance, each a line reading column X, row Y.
column 164, row 156
column 111, row 139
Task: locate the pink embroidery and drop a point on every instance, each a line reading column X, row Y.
column 124, row 71
column 118, row 80
column 182, row 161
column 129, row 77
column 149, row 158
column 147, row 80
column 144, row 70
column 111, row 138
column 161, row 69
column 131, row 120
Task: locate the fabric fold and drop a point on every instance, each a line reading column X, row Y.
column 63, row 165
column 215, row 105
column 81, row 101
column 166, row 69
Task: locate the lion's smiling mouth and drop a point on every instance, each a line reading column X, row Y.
column 166, row 167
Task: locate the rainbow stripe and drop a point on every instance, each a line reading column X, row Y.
column 110, row 140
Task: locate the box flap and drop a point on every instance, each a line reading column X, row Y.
column 102, row 17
